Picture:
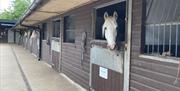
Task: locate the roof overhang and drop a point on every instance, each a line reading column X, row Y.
column 42, row 10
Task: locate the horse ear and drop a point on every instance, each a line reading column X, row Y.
column 105, row 15
column 115, row 15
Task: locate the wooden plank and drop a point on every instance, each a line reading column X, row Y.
column 142, row 87
column 165, row 69
column 113, row 83
column 162, row 86
column 55, row 60
column 46, row 52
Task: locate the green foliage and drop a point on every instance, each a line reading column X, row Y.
column 16, row 11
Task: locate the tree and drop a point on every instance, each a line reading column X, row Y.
column 16, row 10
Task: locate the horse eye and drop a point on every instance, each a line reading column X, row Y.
column 105, row 28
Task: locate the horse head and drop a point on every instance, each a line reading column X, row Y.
column 109, row 29
column 25, row 34
column 34, row 34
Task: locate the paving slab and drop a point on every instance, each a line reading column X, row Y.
column 10, row 75
column 34, row 75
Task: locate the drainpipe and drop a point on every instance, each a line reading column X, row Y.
column 14, row 36
column 40, row 38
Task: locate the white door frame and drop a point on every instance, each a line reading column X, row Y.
column 127, row 58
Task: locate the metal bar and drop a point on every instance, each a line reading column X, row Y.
column 167, row 23
column 158, row 38
column 153, row 39
column 147, row 41
column 170, row 39
column 148, row 49
column 176, row 40
column 47, row 12
column 164, row 40
column 30, row 20
column 109, row 3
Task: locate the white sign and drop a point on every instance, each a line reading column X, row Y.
column 55, row 46
column 103, row 72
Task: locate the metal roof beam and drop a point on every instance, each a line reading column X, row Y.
column 47, row 12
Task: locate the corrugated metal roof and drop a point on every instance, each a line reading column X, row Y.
column 42, row 10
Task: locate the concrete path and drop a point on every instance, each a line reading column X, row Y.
column 20, row 71
column 10, row 75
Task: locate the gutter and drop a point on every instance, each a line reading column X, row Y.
column 32, row 8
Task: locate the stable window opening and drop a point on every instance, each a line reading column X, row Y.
column 69, row 29
column 44, row 28
column 100, row 14
column 56, row 28
column 162, row 28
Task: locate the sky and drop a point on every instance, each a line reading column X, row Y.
column 4, row 4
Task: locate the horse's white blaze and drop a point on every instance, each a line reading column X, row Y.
column 29, row 34
column 25, row 34
column 34, row 34
column 109, row 29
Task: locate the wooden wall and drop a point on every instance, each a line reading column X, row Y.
column 55, row 60
column 113, row 83
column 46, row 52
column 146, row 74
column 34, row 47
column 71, row 63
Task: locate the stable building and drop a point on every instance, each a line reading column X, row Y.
column 68, row 35
column 7, row 36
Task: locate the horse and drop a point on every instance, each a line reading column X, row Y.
column 34, row 42
column 25, row 39
column 109, row 29
column 34, row 34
